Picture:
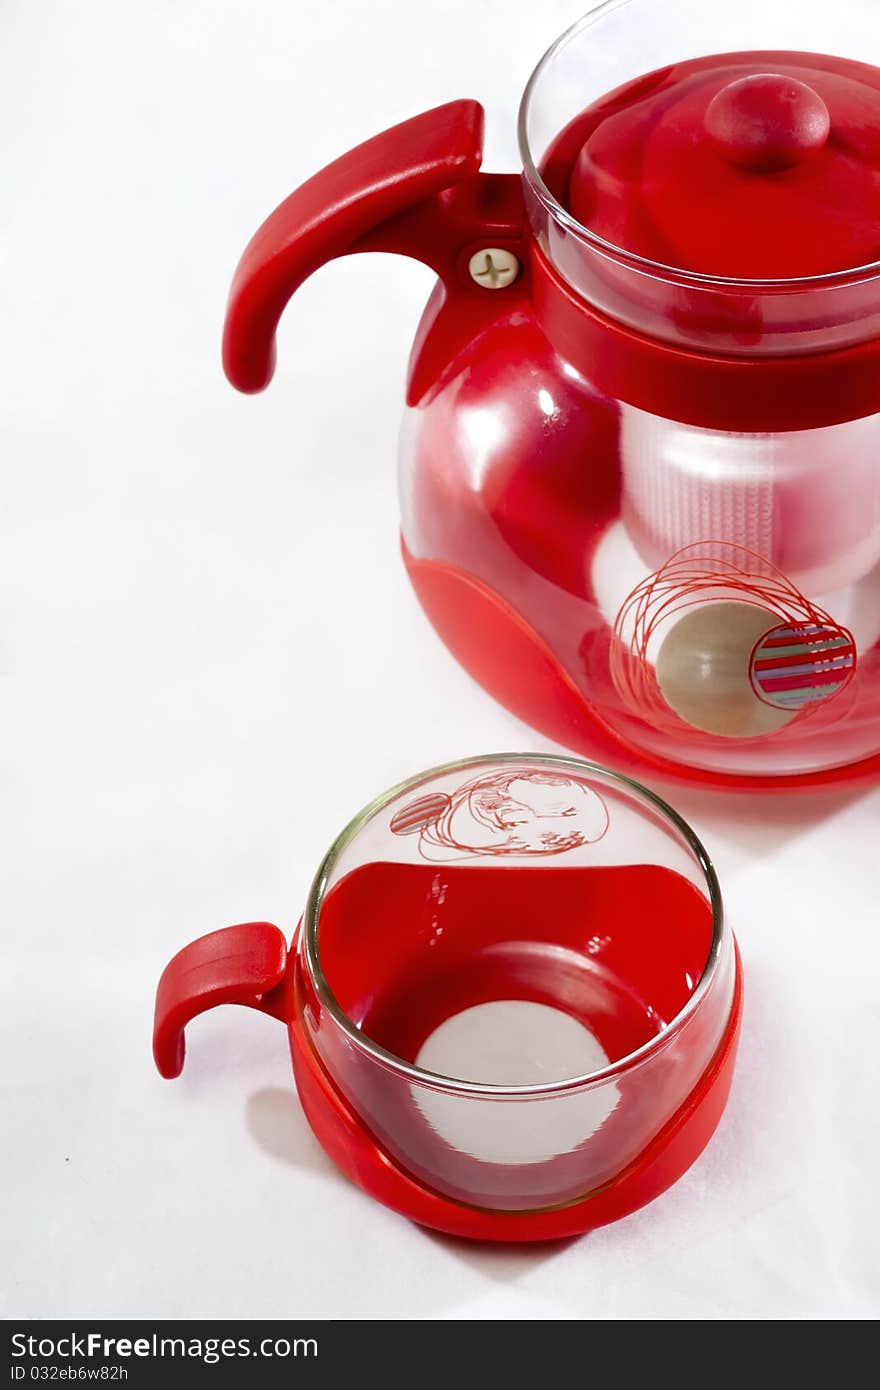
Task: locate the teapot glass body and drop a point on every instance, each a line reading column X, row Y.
column 711, row 598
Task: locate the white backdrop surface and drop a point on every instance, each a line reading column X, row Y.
column 211, row 657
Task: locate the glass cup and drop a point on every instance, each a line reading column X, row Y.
column 515, row 969
column 511, row 974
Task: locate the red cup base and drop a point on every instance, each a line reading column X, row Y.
column 356, row 1153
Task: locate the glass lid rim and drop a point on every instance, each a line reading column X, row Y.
column 657, row 270
column 456, row 1085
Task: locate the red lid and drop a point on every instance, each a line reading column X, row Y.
column 752, row 165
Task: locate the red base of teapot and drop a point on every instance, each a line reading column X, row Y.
column 509, row 659
column 669, row 1155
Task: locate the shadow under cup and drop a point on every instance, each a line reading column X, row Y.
column 516, row 971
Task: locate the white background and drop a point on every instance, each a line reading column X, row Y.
column 211, row 658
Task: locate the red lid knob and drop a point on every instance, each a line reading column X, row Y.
column 767, row 121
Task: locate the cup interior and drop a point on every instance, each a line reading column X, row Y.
column 541, row 888
column 617, row 948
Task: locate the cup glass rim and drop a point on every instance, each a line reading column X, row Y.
column 412, row 1073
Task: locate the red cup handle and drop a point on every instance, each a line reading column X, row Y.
column 415, row 190
column 239, row 965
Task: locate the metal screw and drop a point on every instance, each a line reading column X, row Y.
column 493, row 268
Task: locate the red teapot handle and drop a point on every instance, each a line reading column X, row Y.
column 415, row 189
column 238, row 965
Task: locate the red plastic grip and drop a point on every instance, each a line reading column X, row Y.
column 326, row 216
column 238, row 965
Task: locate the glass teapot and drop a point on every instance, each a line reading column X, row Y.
column 640, row 460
